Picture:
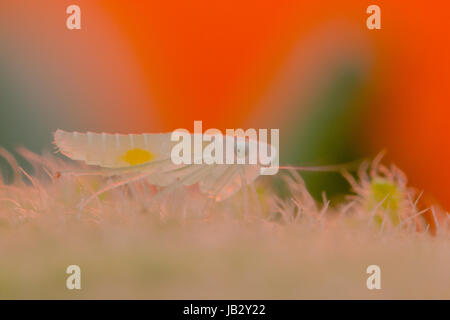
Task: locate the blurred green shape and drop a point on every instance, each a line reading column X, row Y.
column 21, row 120
column 330, row 132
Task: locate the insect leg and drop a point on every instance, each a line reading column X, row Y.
column 244, row 191
column 255, row 196
column 223, row 180
column 180, row 182
column 115, row 185
column 107, row 172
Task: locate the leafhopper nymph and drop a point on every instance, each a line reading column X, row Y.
column 148, row 156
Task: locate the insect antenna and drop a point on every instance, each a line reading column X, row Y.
column 326, row 168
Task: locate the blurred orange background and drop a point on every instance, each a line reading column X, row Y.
column 152, row 66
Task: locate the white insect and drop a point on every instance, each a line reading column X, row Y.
column 148, row 156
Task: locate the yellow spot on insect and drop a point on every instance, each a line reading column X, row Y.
column 137, row 156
